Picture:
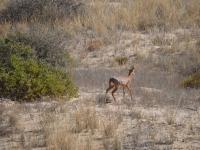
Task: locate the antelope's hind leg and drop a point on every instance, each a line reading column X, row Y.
column 114, row 90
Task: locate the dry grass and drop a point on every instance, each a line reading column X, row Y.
column 160, row 40
column 77, row 125
column 60, row 138
column 8, row 120
column 113, row 144
column 79, row 129
column 109, row 129
column 94, row 45
column 136, row 114
column 141, row 15
column 57, row 132
column 85, row 119
column 170, row 118
column 4, row 29
column 3, row 4
column 106, row 17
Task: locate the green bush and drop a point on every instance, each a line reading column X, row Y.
column 193, row 81
column 24, row 77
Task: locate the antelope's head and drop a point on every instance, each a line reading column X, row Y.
column 131, row 71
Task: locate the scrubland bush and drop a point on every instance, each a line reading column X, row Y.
column 48, row 43
column 192, row 81
column 40, row 10
column 24, row 77
column 121, row 60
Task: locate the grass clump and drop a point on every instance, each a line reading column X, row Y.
column 24, row 77
column 193, row 81
column 121, row 60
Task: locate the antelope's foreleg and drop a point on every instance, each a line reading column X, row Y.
column 123, row 91
column 130, row 92
column 109, row 88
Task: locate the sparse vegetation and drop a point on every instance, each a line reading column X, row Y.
column 41, row 40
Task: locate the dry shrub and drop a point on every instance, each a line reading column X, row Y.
column 48, row 43
column 121, row 60
column 94, row 45
column 4, row 29
column 40, row 10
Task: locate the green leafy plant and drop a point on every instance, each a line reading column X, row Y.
column 24, row 77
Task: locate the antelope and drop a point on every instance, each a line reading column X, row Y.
column 123, row 81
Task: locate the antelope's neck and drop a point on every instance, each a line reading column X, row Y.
column 130, row 77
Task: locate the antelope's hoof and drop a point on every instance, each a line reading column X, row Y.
column 102, row 99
